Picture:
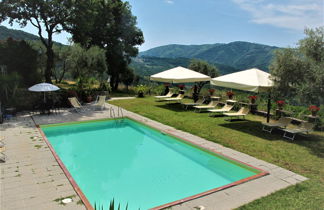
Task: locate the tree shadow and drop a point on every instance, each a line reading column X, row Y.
column 315, row 143
column 174, row 107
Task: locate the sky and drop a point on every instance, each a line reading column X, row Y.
column 272, row 22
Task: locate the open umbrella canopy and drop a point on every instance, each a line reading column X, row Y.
column 43, row 87
column 252, row 80
column 179, row 75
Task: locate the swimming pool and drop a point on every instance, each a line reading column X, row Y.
column 137, row 165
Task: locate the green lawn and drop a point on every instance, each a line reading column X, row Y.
column 304, row 156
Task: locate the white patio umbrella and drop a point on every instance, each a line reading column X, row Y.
column 43, row 87
column 252, row 80
column 179, row 75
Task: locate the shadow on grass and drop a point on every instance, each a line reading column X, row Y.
column 313, row 142
column 174, row 107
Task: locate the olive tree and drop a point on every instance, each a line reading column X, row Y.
column 298, row 72
column 47, row 16
column 204, row 68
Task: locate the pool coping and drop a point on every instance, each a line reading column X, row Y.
column 168, row 132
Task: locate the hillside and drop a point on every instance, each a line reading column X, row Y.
column 5, row 33
column 240, row 55
column 146, row 66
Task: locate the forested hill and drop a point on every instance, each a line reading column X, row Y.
column 240, row 55
column 5, row 33
column 146, row 66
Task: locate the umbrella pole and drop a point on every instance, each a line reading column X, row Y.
column 269, row 107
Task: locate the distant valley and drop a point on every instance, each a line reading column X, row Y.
column 228, row 58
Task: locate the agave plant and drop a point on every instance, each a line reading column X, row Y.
column 111, row 206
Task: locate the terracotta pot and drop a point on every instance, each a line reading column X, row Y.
column 89, row 99
column 314, row 113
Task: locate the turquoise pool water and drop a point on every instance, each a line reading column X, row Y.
column 132, row 163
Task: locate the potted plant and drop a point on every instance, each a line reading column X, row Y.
column 211, row 91
column 314, row 109
column 280, row 104
column 230, row 94
column 140, row 89
column 181, row 87
column 252, row 99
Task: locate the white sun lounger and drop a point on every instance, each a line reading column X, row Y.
column 176, row 99
column 211, row 105
column 168, row 95
column 305, row 127
column 283, row 122
column 241, row 113
column 76, row 105
column 225, row 108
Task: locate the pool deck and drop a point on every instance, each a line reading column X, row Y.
column 31, row 178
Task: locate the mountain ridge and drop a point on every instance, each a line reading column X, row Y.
column 238, row 54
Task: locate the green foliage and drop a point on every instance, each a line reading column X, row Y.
column 128, row 76
column 111, row 206
column 8, row 86
column 6, row 33
column 110, row 25
column 86, row 63
column 204, row 68
column 240, row 55
column 146, row 66
column 47, row 17
column 299, row 73
column 141, row 90
column 18, row 57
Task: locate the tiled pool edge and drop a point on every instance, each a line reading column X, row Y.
column 225, row 199
column 75, row 186
column 89, row 206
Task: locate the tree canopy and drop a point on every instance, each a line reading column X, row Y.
column 110, row 25
column 299, row 72
column 18, row 57
column 49, row 17
column 204, row 68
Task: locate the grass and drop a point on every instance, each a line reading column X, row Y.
column 304, row 156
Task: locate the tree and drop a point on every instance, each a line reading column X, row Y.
column 19, row 57
column 48, row 17
column 86, row 63
column 110, row 25
column 204, row 68
column 128, row 77
column 299, row 72
column 61, row 62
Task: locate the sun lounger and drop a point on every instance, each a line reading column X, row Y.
column 283, row 122
column 176, row 99
column 197, row 103
column 225, row 108
column 100, row 103
column 305, row 127
column 241, row 113
column 211, row 105
column 168, row 95
column 76, row 105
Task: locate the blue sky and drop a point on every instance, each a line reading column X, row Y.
column 272, row 22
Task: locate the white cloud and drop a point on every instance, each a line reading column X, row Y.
column 291, row 14
column 169, row 1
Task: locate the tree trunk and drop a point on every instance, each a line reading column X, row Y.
column 63, row 73
column 49, row 63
